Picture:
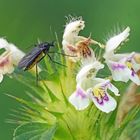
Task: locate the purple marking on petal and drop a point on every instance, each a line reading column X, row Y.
column 106, row 98
column 80, row 93
column 133, row 73
column 100, row 101
column 117, row 66
column 4, row 61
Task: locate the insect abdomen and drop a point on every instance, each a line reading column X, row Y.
column 35, row 61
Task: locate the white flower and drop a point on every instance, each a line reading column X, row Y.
column 70, row 37
column 15, row 53
column 122, row 66
column 75, row 45
column 9, row 58
column 6, row 67
column 94, row 90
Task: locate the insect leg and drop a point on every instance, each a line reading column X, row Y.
column 42, row 57
column 55, row 61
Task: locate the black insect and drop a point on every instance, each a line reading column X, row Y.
column 35, row 56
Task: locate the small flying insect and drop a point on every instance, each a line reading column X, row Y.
column 33, row 57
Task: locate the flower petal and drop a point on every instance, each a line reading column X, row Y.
column 115, row 41
column 79, row 99
column 72, row 29
column 89, row 70
column 16, row 54
column 70, row 50
column 6, row 65
column 119, row 71
column 105, row 106
column 133, row 76
column 113, row 89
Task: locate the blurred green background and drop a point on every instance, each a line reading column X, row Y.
column 24, row 21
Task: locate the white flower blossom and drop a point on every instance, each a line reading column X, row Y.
column 70, row 36
column 9, row 58
column 89, row 88
column 122, row 66
column 75, row 45
column 94, row 90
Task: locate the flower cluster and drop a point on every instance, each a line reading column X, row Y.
column 90, row 87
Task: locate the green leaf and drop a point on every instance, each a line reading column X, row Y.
column 52, row 96
column 45, row 75
column 63, row 131
column 48, row 135
column 117, row 133
column 64, row 96
column 36, row 111
column 35, row 131
column 31, row 85
column 56, row 114
column 129, row 118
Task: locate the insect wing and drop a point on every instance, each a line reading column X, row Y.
column 29, row 57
